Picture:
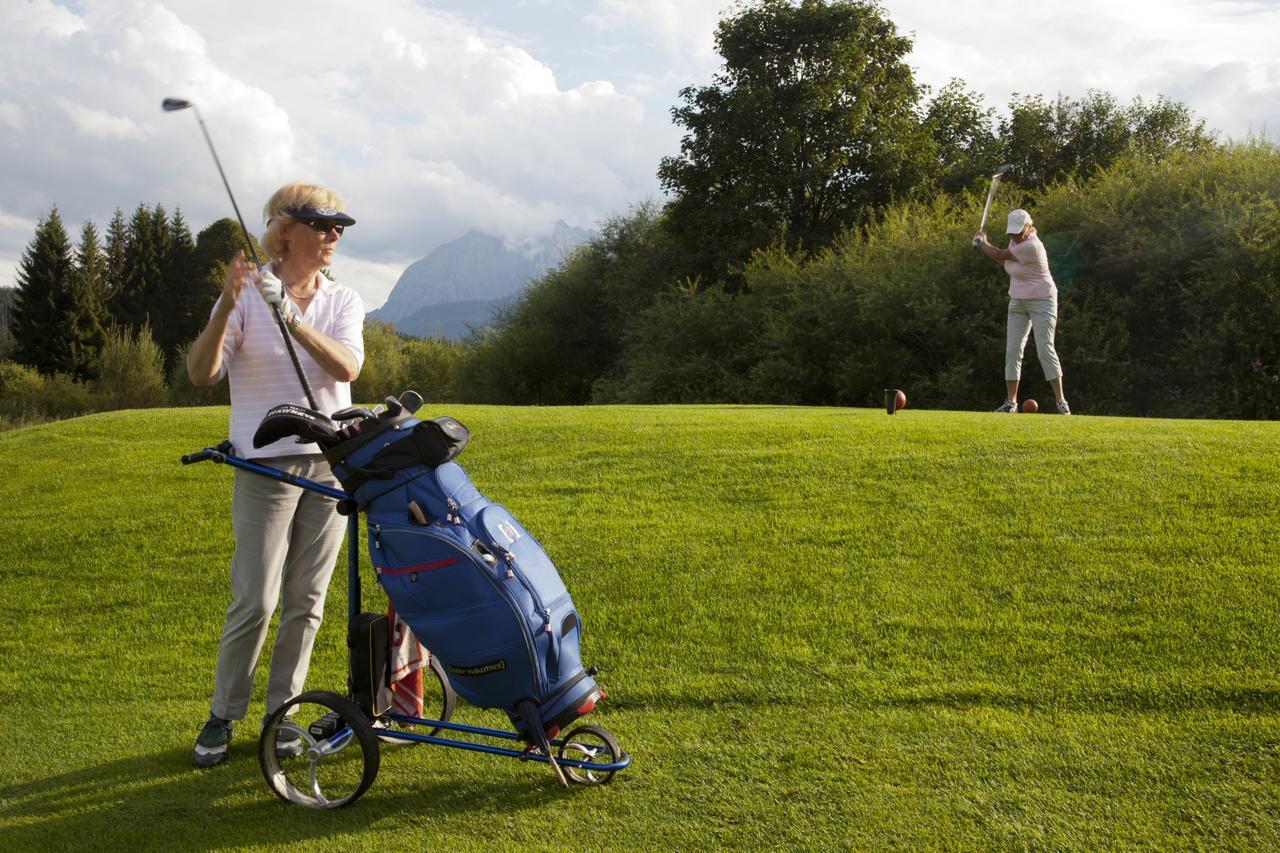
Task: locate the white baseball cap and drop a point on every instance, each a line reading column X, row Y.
column 1018, row 219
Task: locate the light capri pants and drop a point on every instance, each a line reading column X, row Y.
column 1025, row 315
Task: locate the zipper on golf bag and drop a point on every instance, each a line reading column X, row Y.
column 458, row 542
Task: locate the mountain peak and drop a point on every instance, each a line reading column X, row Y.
column 476, row 267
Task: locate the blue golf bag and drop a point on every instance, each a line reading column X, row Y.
column 475, row 587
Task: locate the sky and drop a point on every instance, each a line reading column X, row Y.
column 435, row 117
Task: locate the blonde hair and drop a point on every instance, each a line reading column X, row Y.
column 288, row 198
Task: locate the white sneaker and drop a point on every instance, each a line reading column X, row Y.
column 1007, row 406
column 1063, row 408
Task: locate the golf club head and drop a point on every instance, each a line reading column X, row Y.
column 1006, row 167
column 173, row 104
column 411, row 400
column 351, row 412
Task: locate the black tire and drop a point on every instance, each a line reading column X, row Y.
column 338, row 756
column 592, row 744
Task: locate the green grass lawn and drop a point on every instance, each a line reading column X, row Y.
column 818, row 628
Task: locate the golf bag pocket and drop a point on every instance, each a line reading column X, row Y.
column 368, row 640
column 435, row 566
column 499, row 527
column 462, row 607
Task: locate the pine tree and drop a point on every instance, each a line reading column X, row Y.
column 88, row 314
column 117, row 241
column 44, row 297
column 140, row 272
column 174, row 314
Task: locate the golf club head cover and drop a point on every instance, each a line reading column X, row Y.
column 291, row 420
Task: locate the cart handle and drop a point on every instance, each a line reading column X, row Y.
column 217, row 454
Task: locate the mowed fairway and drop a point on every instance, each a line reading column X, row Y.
column 818, row 628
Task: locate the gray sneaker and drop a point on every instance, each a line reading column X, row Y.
column 1007, row 406
column 288, row 742
column 211, row 746
column 1063, row 408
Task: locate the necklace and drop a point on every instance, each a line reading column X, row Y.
column 298, row 296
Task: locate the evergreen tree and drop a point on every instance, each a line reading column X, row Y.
column 176, row 316
column 44, row 297
column 141, row 275
column 114, row 250
column 87, row 310
column 7, row 297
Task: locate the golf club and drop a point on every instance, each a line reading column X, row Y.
column 170, row 105
column 991, row 194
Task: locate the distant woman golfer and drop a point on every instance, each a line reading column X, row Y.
column 1033, row 303
column 286, row 538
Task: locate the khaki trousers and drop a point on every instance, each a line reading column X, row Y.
column 286, row 542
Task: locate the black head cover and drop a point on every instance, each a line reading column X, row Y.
column 287, row 419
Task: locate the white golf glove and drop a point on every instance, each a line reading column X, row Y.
column 271, row 287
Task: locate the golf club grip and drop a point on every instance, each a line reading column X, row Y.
column 198, row 456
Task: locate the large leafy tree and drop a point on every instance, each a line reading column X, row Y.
column 1049, row 139
column 44, row 298
column 809, row 126
column 965, row 148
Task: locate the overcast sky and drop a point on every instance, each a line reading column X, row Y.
column 432, row 118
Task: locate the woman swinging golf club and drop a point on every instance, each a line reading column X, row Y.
column 1033, row 303
column 286, row 539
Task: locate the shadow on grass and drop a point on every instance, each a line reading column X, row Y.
column 160, row 801
column 1173, row 700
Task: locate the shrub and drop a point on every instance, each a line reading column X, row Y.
column 131, row 371
column 183, row 393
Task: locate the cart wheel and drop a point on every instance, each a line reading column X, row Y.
column 592, row 745
column 335, row 755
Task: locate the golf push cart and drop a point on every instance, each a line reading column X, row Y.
column 476, row 589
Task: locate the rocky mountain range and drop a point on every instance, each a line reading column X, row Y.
column 458, row 285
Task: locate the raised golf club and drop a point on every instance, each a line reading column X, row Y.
column 991, row 194
column 170, row 105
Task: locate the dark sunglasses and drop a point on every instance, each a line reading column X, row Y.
column 323, row 226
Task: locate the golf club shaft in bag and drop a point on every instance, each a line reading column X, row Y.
column 173, row 105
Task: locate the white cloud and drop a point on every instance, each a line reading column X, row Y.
column 427, row 124
column 431, row 123
column 403, row 49
column 15, row 233
column 42, row 18
column 682, row 26
column 11, row 114
column 372, row 280
column 99, row 124
column 1217, row 56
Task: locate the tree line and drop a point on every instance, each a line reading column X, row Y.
column 105, row 323
column 813, row 249
column 815, row 245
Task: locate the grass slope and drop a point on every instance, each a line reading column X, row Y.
column 819, row 628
